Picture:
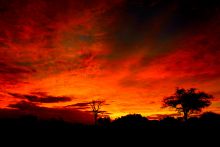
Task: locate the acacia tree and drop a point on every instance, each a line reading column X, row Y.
column 96, row 106
column 187, row 101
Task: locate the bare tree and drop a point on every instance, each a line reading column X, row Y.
column 96, row 106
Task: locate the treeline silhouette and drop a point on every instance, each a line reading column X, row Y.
column 207, row 120
column 125, row 129
column 182, row 129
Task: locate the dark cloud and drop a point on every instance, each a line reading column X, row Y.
column 37, row 35
column 12, row 73
column 30, row 108
column 6, row 68
column 48, row 99
column 126, row 24
column 87, row 107
column 38, row 21
column 80, row 104
column 23, row 105
column 43, row 94
column 41, row 97
column 148, row 25
column 126, row 27
column 16, row 95
column 81, row 108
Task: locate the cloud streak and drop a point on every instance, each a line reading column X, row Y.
column 29, row 108
column 41, row 99
column 23, row 105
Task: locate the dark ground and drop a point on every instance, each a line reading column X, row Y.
column 134, row 131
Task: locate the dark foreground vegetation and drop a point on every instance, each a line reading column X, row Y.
column 131, row 128
column 208, row 120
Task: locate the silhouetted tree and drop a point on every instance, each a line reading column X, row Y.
column 96, row 106
column 131, row 120
column 187, row 101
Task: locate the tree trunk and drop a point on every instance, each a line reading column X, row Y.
column 95, row 118
column 185, row 117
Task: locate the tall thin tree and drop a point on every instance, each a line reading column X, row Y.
column 96, row 106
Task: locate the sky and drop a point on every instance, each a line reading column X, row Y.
column 129, row 53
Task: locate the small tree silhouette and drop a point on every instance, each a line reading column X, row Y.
column 187, row 101
column 96, row 106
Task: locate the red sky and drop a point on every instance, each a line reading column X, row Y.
column 129, row 53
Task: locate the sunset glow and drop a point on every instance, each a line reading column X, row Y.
column 129, row 53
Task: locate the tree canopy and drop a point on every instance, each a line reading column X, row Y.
column 188, row 101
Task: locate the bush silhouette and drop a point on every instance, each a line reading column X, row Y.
column 105, row 121
column 131, row 120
